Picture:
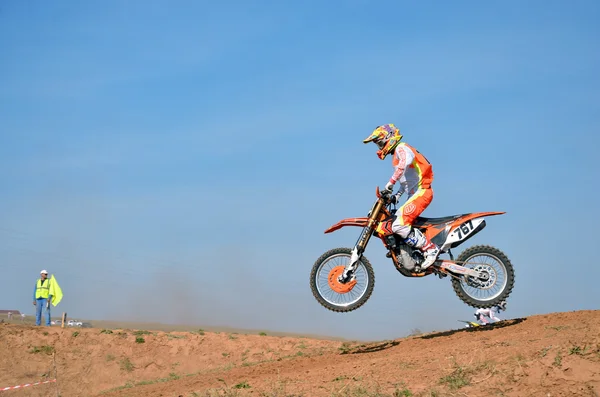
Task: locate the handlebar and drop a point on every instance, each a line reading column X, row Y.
column 384, row 193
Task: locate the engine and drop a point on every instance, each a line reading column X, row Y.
column 407, row 255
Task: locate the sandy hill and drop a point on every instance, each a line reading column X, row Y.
column 555, row 354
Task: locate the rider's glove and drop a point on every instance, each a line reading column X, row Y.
column 395, row 198
column 387, row 190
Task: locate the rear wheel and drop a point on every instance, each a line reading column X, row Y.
column 499, row 281
column 332, row 294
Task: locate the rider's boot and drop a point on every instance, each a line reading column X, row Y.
column 418, row 240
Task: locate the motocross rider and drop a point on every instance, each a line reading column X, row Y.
column 415, row 174
column 491, row 313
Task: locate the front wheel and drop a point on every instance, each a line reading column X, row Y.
column 499, row 281
column 332, row 294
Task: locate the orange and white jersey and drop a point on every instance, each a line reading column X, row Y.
column 411, row 169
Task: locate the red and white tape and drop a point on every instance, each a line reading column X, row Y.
column 27, row 385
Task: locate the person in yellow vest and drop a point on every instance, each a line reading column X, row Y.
column 42, row 298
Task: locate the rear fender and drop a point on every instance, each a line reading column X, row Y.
column 360, row 222
column 466, row 227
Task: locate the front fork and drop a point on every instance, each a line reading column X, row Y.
column 348, row 273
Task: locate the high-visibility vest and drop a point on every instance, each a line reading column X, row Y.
column 42, row 291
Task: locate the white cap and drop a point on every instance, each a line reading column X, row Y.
column 44, row 272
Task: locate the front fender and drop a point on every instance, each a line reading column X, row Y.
column 361, row 222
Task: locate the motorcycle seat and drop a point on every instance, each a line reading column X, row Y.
column 423, row 221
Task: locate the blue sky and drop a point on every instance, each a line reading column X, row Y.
column 179, row 161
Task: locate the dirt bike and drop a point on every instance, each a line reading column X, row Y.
column 348, row 282
column 471, row 324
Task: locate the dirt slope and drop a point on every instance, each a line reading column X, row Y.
column 546, row 355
